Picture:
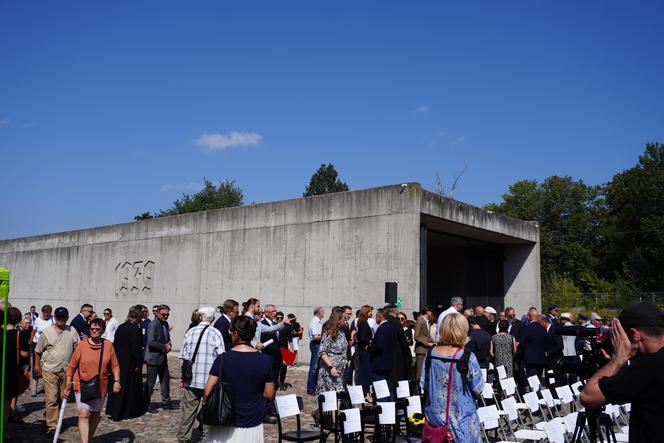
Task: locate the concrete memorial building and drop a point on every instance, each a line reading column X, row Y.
column 326, row 250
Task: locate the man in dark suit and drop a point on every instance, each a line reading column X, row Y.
column 479, row 344
column 553, row 315
column 382, row 352
column 80, row 322
column 554, row 351
column 534, row 342
column 156, row 351
column 230, row 310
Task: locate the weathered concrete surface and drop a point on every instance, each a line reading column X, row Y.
column 298, row 254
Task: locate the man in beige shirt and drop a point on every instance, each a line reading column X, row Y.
column 423, row 339
column 54, row 349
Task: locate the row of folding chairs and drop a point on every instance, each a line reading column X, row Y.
column 562, row 417
column 338, row 414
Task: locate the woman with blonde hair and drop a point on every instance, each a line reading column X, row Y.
column 442, row 381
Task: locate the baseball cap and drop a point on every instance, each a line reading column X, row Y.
column 490, row 310
column 644, row 314
column 61, row 312
column 595, row 316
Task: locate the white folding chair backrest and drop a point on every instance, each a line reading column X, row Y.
column 509, row 406
column 576, row 388
column 565, row 394
column 532, row 401
column 570, row 421
column 508, row 385
column 548, row 398
column 627, row 407
column 488, row 416
column 502, row 372
column 534, row 383
column 555, row 431
column 487, row 391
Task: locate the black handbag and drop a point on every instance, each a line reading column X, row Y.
column 218, row 408
column 187, row 367
column 90, row 389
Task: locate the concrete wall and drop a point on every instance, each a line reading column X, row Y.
column 297, row 254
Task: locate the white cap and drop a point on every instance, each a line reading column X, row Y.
column 207, row 311
column 490, row 310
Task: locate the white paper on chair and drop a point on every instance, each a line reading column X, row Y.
column 381, row 389
column 508, row 385
column 356, row 394
column 534, row 383
column 486, row 413
column 531, row 400
column 502, row 373
column 576, row 387
column 414, row 405
column 330, row 403
column 403, row 389
column 287, row 405
column 388, row 415
column 487, row 391
column 565, row 394
column 353, row 422
column 509, row 406
column 484, row 377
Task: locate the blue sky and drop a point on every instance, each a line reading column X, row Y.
column 111, row 109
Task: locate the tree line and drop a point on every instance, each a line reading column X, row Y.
column 597, row 238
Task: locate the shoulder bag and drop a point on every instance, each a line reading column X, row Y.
column 187, row 367
column 438, row 434
column 91, row 389
column 23, row 373
column 218, row 409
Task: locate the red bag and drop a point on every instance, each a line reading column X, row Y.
column 288, row 356
column 440, row 434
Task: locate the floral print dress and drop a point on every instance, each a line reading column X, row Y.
column 463, row 419
column 336, row 349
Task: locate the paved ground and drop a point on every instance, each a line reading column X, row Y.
column 160, row 427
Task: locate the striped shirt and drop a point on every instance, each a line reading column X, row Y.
column 212, row 345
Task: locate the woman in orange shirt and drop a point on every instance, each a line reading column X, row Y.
column 85, row 364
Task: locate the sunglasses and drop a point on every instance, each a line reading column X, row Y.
column 95, row 329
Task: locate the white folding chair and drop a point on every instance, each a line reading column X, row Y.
column 555, row 431
column 549, row 402
column 565, row 396
column 490, row 421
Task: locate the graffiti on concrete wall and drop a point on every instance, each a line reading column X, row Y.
column 134, row 278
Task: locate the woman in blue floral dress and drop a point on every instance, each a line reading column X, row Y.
column 463, row 420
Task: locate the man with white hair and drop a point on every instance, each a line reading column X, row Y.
column 201, row 346
column 456, row 305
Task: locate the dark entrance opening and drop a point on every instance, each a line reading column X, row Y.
column 459, row 266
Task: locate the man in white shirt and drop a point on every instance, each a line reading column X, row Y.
column 111, row 325
column 38, row 325
column 456, row 305
column 314, row 332
column 252, row 309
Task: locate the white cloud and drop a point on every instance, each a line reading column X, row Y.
column 181, row 187
column 4, row 121
column 217, row 141
column 420, row 110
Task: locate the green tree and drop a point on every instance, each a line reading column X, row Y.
column 325, row 181
column 634, row 228
column 144, row 216
column 569, row 213
column 226, row 195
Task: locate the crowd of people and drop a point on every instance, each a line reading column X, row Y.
column 250, row 347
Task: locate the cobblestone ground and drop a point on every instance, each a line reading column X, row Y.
column 159, row 427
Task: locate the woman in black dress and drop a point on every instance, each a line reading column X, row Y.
column 364, row 336
column 17, row 350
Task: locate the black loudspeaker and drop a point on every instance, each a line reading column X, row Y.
column 391, row 292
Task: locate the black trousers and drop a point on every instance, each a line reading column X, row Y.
column 164, row 380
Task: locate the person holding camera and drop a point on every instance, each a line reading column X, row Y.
column 638, row 338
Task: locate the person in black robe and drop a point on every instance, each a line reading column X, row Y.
column 129, row 402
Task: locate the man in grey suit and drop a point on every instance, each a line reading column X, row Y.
column 156, row 351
